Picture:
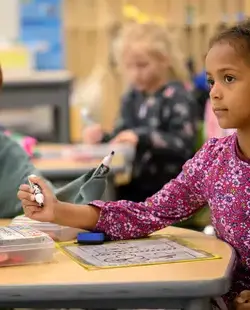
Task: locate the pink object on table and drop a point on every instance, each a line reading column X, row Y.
column 28, row 144
column 212, row 128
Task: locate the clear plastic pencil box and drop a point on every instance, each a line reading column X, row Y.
column 56, row 232
column 22, row 245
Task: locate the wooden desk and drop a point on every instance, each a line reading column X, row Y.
column 97, row 151
column 37, row 77
column 55, row 164
column 62, row 168
column 64, row 283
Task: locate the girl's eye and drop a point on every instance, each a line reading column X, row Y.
column 229, row 79
column 210, row 82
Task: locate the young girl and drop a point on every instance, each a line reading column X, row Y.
column 219, row 174
column 158, row 115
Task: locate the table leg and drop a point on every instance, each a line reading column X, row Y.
column 62, row 118
column 199, row 304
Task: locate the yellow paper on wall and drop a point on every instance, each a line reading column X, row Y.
column 15, row 58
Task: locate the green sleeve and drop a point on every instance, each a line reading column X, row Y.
column 15, row 167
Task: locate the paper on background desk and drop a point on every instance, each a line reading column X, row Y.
column 160, row 249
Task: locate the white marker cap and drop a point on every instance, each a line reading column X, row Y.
column 32, row 176
column 39, row 198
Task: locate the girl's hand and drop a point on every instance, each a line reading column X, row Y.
column 242, row 302
column 92, row 134
column 126, row 136
column 31, row 207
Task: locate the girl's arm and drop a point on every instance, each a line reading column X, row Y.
column 15, row 169
column 178, row 200
column 126, row 116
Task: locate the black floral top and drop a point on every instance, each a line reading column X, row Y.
column 165, row 123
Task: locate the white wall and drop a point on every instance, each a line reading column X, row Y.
column 9, row 19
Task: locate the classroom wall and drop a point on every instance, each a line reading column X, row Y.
column 9, row 19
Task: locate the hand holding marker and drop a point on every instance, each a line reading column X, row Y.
column 100, row 170
column 104, row 166
column 37, row 192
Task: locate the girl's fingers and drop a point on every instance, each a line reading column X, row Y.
column 25, row 195
column 27, row 203
column 26, row 188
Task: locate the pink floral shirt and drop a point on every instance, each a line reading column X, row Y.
column 215, row 175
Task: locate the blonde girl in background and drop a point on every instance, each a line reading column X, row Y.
column 158, row 114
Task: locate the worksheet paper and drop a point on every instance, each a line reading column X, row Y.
column 159, row 249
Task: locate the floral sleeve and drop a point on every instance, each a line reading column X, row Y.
column 176, row 201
